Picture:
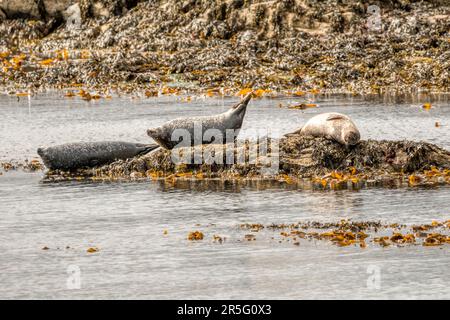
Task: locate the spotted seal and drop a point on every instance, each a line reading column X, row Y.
column 168, row 137
column 333, row 126
column 71, row 156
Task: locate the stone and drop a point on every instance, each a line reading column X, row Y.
column 20, row 9
column 55, row 8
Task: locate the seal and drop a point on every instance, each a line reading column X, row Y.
column 167, row 136
column 333, row 126
column 71, row 156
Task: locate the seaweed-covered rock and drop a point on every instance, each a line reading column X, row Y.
column 296, row 156
column 329, row 45
column 307, row 155
column 55, row 8
column 21, row 9
column 43, row 9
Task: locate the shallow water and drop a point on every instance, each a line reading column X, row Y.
column 52, row 119
column 126, row 221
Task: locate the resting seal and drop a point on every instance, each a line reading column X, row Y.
column 72, row 156
column 232, row 119
column 333, row 126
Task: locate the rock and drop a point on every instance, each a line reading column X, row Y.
column 106, row 39
column 21, row 9
column 246, row 37
column 55, row 8
column 106, row 8
column 337, row 22
column 337, row 46
column 298, row 156
column 99, row 10
column 43, row 9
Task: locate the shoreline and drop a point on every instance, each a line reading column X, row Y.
column 192, row 94
column 275, row 46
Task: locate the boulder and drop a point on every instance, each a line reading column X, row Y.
column 55, row 8
column 44, row 9
column 21, row 9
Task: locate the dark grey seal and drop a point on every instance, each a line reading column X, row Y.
column 72, row 156
column 167, row 136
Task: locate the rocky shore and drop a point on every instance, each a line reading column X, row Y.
column 222, row 46
column 294, row 160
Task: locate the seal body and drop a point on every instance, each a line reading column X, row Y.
column 191, row 131
column 334, row 126
column 72, row 156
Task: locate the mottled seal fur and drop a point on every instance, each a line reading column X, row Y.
column 72, row 156
column 167, row 136
column 334, row 126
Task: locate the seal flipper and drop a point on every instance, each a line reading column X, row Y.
column 335, row 117
column 146, row 148
column 296, row 132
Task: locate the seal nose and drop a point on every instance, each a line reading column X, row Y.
column 243, row 103
column 151, row 132
column 247, row 98
column 40, row 151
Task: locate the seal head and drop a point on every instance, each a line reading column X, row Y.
column 160, row 136
column 350, row 137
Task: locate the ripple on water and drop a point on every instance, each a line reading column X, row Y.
column 126, row 220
